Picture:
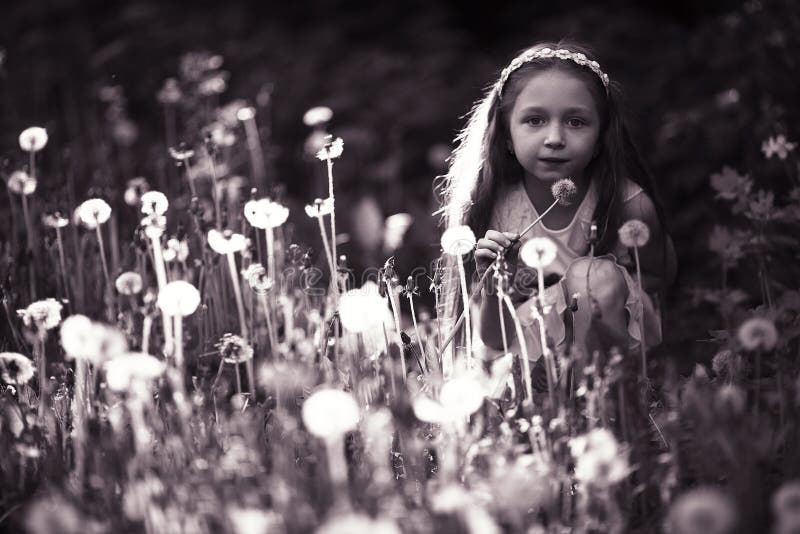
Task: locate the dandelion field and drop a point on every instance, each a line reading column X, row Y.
column 200, row 349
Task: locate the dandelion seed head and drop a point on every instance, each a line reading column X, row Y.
column 564, row 191
column 21, row 183
column 461, row 396
column 134, row 190
column 330, row 413
column 320, row 207
column 704, row 510
column 317, row 116
column 176, row 250
column 154, row 225
column 246, row 113
column 758, row 333
column 538, row 252
column 332, row 149
column 458, row 240
column 154, row 202
column 94, row 212
column 42, row 314
column 265, row 213
column 33, row 139
column 226, row 242
column 234, row 349
column 634, row 233
column 15, row 368
column 355, row 523
column 363, row 309
column 128, row 283
column 54, row 220
column 170, row 92
column 127, row 372
column 82, row 338
column 599, row 461
column 178, row 298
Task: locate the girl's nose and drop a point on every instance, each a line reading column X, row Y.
column 555, row 137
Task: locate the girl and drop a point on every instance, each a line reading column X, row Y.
column 554, row 114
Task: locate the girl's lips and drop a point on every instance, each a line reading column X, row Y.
column 553, row 161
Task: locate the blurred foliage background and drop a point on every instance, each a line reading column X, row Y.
column 706, row 83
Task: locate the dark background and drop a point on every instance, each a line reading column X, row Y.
column 706, row 83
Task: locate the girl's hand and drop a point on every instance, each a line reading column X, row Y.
column 489, row 246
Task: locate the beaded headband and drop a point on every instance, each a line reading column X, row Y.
column 561, row 53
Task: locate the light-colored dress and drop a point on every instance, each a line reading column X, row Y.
column 514, row 211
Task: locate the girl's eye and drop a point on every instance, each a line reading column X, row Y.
column 576, row 123
column 535, row 121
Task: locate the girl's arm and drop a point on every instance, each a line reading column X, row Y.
column 657, row 257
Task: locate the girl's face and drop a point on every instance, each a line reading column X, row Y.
column 554, row 126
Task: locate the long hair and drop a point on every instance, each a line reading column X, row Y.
column 481, row 163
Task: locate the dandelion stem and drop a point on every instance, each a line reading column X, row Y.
column 237, row 291
column 548, row 357
column 466, row 300
column 63, row 264
column 270, row 327
column 333, row 220
column 526, row 366
column 326, row 246
column 416, row 328
column 103, row 257
column 238, row 378
column 254, row 149
column 178, row 319
column 642, row 345
column 38, row 349
column 396, row 315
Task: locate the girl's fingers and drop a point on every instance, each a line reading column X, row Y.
column 498, row 237
column 485, row 253
column 484, row 244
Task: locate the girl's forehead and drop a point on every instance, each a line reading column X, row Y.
column 554, row 90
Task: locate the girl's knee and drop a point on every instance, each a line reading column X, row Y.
column 606, row 282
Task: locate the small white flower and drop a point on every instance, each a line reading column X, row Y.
column 758, row 333
column 634, row 233
column 84, row 339
column 154, row 202
column 125, row 370
column 226, row 242
column 538, row 252
column 458, row 240
column 779, row 146
column 33, row 139
column 134, row 190
column 462, row 396
column 265, row 213
column 154, row 225
column 330, row 413
column 128, row 283
column 320, row 207
column 15, row 368
column 317, row 115
column 42, row 314
column 332, row 149
column 178, row 298
column 94, row 212
column 21, row 183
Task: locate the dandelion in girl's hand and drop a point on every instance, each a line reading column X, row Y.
column 15, row 368
column 361, row 310
column 598, row 458
column 333, row 149
column 178, row 298
column 265, row 213
column 134, row 190
column 176, row 250
column 317, row 116
column 634, row 233
column 226, row 242
column 257, row 279
column 54, row 220
column 330, row 413
column 94, row 212
column 319, row 208
column 133, row 367
column 777, row 146
column 758, row 333
column 33, row 139
column 564, row 191
column 234, row 349
column 704, row 510
column 42, row 314
column 154, row 202
column 128, row 283
column 21, row 183
column 538, row 252
column 458, row 240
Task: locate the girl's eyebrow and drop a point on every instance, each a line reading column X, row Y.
column 575, row 109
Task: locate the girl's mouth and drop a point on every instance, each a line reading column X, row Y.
column 553, row 161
